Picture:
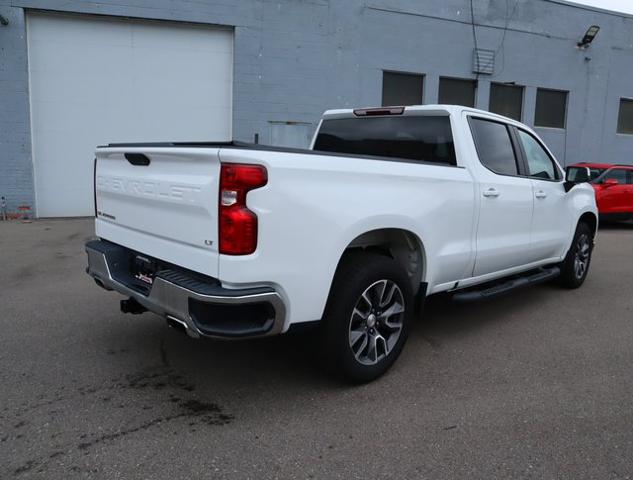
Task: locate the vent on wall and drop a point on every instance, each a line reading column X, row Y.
column 483, row 61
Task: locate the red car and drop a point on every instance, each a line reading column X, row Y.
column 614, row 189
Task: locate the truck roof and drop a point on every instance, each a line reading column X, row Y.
column 601, row 165
column 441, row 109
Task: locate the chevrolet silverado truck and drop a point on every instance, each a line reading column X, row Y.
column 389, row 205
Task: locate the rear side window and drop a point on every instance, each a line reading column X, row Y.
column 424, row 138
column 494, row 147
column 619, row 174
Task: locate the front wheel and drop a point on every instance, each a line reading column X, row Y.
column 575, row 267
column 367, row 318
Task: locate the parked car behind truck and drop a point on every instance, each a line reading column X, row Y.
column 228, row 240
column 613, row 185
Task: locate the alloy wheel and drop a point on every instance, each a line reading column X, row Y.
column 581, row 261
column 376, row 322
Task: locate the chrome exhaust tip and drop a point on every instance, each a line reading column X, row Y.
column 177, row 324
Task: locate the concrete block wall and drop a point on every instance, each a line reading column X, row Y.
column 16, row 166
column 296, row 58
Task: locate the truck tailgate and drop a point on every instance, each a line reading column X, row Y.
column 160, row 201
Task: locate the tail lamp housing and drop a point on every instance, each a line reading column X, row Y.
column 237, row 224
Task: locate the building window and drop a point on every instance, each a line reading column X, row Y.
column 402, row 89
column 454, row 91
column 506, row 100
column 625, row 117
column 551, row 108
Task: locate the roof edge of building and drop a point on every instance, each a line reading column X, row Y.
column 582, row 6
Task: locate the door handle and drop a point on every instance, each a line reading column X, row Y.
column 540, row 194
column 491, row 192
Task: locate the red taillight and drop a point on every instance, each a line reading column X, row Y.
column 370, row 112
column 237, row 224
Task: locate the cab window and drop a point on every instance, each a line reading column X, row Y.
column 426, row 138
column 539, row 163
column 494, row 146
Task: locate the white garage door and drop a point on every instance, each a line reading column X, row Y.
column 97, row 80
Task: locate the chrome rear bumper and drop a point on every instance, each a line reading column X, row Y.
column 172, row 295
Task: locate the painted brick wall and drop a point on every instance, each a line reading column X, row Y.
column 296, row 58
column 16, row 167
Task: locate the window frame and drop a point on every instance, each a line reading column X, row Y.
column 524, row 159
column 617, row 125
column 513, row 141
column 566, row 92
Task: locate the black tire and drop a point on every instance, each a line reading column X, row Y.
column 350, row 315
column 575, row 267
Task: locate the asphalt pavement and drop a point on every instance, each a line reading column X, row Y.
column 538, row 384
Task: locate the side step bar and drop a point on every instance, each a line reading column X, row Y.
column 498, row 289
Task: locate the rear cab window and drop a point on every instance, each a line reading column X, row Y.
column 423, row 138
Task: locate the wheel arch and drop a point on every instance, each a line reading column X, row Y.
column 400, row 244
column 591, row 220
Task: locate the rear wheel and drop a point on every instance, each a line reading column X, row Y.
column 367, row 318
column 575, row 267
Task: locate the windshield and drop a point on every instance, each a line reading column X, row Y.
column 425, row 138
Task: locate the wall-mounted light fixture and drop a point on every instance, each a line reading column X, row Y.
column 589, row 36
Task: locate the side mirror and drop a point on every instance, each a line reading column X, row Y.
column 576, row 175
column 611, row 182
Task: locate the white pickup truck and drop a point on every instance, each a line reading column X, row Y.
column 231, row 240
